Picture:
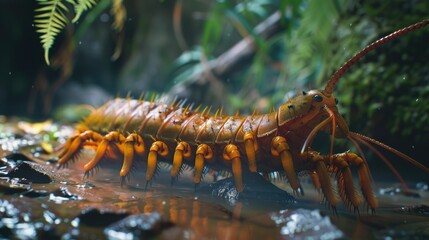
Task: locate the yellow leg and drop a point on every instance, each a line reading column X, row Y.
column 133, row 145
column 203, row 152
column 280, row 147
column 182, row 150
column 112, row 137
column 230, row 152
column 74, row 144
column 364, row 177
column 157, row 147
column 325, row 183
column 251, row 148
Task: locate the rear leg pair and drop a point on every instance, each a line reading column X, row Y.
column 341, row 164
column 113, row 145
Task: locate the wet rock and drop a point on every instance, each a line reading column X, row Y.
column 256, row 188
column 36, row 193
column 62, row 194
column 5, row 232
column 419, row 210
column 96, row 218
column 47, row 231
column 18, row 157
column 405, row 231
column 9, row 188
column 422, row 186
column 17, row 166
column 305, row 224
column 139, row 226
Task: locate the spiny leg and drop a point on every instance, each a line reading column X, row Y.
column 133, row 145
column 344, row 179
column 203, row 152
column 103, row 147
column 322, row 176
column 251, row 147
column 280, row 147
column 230, row 152
column 157, row 148
column 74, row 145
column 364, row 176
column 182, row 150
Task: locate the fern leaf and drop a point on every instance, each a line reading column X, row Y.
column 49, row 21
column 81, row 6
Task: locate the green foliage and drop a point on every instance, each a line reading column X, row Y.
column 51, row 19
column 81, row 6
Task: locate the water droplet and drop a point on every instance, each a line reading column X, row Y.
column 413, row 147
column 80, row 42
column 417, row 99
column 404, row 77
column 10, row 73
column 351, row 24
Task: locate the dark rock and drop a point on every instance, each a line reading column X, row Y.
column 47, row 231
column 96, row 218
column 62, row 194
column 256, row 188
column 422, row 210
column 18, row 157
column 139, row 226
column 9, row 188
column 36, row 193
column 30, row 171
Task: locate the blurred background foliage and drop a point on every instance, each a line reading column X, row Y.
column 186, row 49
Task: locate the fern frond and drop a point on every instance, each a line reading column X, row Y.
column 50, row 21
column 80, row 6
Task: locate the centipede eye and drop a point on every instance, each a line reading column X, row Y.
column 336, row 101
column 318, row 98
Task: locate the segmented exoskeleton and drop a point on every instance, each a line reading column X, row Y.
column 277, row 141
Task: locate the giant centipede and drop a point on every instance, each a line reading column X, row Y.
column 155, row 132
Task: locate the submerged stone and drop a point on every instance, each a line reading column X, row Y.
column 139, row 226
column 100, row 218
column 305, row 224
column 256, row 188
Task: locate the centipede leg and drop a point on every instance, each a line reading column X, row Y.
column 322, row 177
column 74, row 145
column 203, row 152
column 157, row 148
column 230, row 152
column 133, row 145
column 250, row 147
column 182, row 150
column 364, row 177
column 103, row 147
column 280, row 147
column 345, row 180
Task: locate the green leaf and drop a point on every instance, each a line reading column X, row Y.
column 49, row 22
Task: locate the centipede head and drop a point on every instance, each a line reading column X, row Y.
column 323, row 114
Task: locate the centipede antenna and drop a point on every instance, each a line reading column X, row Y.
column 389, row 165
column 367, row 139
column 340, row 72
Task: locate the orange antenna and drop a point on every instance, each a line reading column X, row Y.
column 336, row 76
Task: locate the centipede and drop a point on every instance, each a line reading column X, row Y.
column 155, row 132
